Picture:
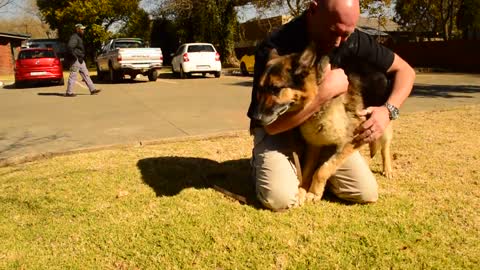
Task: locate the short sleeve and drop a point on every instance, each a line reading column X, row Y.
column 372, row 51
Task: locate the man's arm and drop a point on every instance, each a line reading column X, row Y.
column 378, row 117
column 403, row 83
column 72, row 44
column 334, row 84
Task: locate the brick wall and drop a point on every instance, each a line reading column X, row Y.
column 6, row 61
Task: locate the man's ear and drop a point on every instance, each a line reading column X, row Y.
column 306, row 60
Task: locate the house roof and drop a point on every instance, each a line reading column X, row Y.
column 14, row 35
column 372, row 23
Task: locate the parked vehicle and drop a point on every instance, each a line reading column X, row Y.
column 59, row 47
column 247, row 62
column 200, row 58
column 128, row 56
column 38, row 65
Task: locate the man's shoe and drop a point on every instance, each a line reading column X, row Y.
column 94, row 92
column 70, row 95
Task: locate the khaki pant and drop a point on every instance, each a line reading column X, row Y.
column 72, row 78
column 275, row 176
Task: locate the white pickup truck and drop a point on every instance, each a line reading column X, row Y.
column 128, row 56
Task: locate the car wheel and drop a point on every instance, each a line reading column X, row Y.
column 114, row 76
column 111, row 74
column 173, row 72
column 182, row 74
column 100, row 74
column 153, row 75
column 20, row 84
column 217, row 74
column 243, row 69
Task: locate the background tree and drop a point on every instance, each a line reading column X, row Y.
column 374, row 8
column 468, row 19
column 98, row 15
column 139, row 25
column 213, row 21
column 428, row 16
column 4, row 3
column 27, row 25
column 28, row 22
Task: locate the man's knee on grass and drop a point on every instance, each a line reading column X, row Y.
column 276, row 181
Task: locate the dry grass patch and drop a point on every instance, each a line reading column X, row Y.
column 154, row 207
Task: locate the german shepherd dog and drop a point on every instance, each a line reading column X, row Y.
column 289, row 84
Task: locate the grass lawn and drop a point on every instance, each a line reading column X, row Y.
column 154, row 207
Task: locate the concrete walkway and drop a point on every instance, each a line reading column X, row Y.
column 39, row 122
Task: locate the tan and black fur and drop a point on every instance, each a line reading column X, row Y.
column 289, row 84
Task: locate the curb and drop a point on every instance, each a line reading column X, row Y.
column 12, row 161
column 6, row 83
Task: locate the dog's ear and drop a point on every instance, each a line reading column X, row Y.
column 321, row 66
column 306, row 60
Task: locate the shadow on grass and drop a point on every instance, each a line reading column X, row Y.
column 168, row 176
column 444, row 91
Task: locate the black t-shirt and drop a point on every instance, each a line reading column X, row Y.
column 293, row 38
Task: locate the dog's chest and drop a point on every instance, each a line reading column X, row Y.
column 332, row 125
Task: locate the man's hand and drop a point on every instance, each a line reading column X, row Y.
column 372, row 128
column 334, row 84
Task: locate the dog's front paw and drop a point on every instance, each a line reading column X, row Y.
column 312, row 197
column 388, row 174
column 301, row 197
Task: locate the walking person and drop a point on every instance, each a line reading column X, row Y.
column 77, row 53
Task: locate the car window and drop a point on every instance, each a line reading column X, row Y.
column 201, row 48
column 180, row 50
column 32, row 54
column 129, row 44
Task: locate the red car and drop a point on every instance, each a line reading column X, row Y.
column 38, row 65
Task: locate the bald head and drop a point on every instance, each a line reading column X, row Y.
column 330, row 22
column 343, row 11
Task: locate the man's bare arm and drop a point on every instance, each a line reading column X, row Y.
column 378, row 117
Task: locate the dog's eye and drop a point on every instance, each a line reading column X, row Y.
column 272, row 89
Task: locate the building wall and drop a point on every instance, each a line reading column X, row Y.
column 452, row 55
column 6, row 61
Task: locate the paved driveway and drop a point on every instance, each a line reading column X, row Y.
column 40, row 120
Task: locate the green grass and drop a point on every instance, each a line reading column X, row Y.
column 154, row 207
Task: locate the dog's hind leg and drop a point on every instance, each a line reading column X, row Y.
column 384, row 144
column 326, row 170
column 386, row 141
column 310, row 161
